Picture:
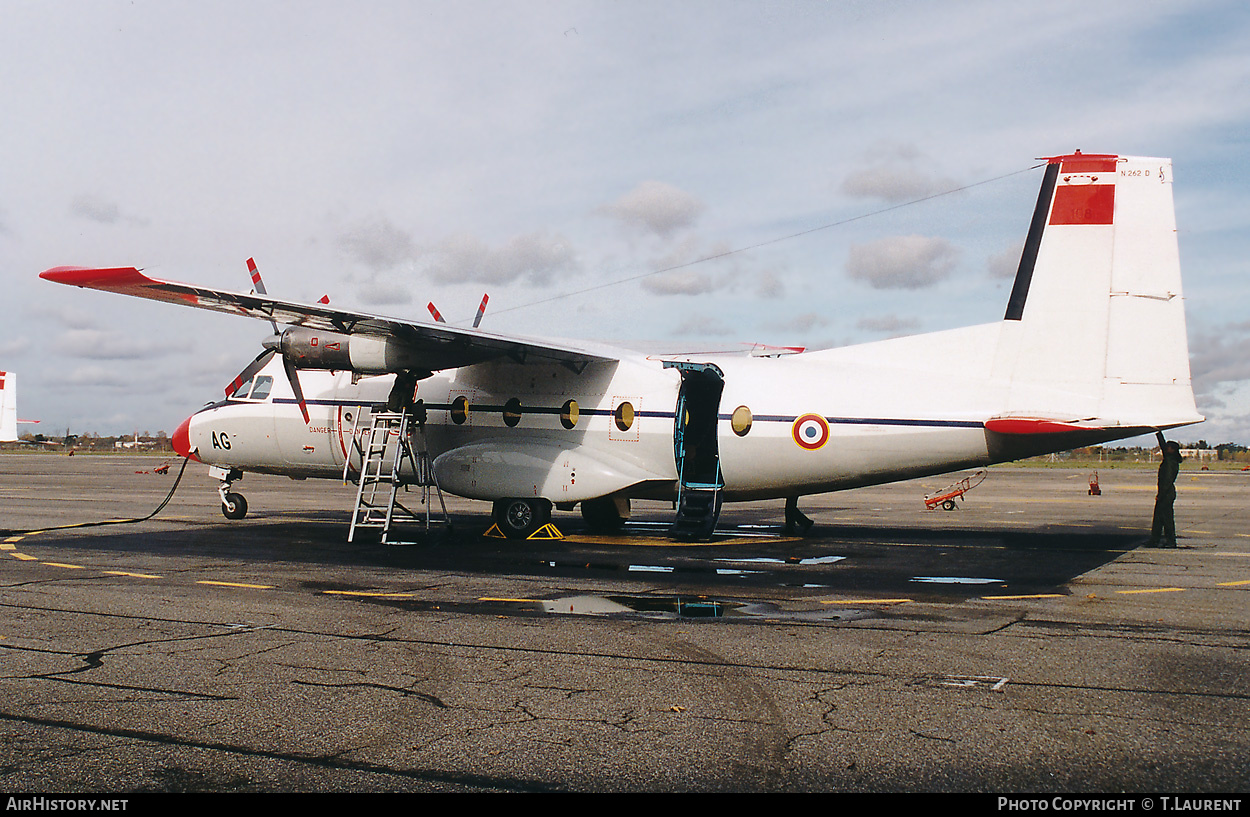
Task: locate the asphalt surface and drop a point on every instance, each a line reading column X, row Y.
column 1021, row 643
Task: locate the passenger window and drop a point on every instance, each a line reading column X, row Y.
column 460, row 410
column 568, row 414
column 624, row 416
column 512, row 413
column 741, row 421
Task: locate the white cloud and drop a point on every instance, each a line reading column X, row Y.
column 101, row 344
column 702, row 326
column 1006, row 263
column 902, row 262
column 380, row 290
column 1220, row 359
column 896, row 174
column 98, row 376
column 892, row 324
column 680, row 282
column 536, row 258
column 655, row 207
column 101, row 211
column 14, row 346
column 377, row 243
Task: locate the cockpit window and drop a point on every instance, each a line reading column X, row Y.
column 258, row 388
column 264, row 385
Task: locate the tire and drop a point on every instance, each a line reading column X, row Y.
column 519, row 518
column 949, row 505
column 602, row 515
column 235, row 506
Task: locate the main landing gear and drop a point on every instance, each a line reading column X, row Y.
column 233, row 506
column 518, row 518
column 607, row 514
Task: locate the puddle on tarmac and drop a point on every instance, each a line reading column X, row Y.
column 685, row 607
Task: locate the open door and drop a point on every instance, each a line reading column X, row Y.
column 696, row 449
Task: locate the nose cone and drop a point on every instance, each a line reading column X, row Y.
column 182, row 440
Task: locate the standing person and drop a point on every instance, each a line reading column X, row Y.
column 1163, row 528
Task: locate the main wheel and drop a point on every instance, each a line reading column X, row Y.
column 518, row 518
column 235, row 506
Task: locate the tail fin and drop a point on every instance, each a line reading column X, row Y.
column 1094, row 334
column 8, row 407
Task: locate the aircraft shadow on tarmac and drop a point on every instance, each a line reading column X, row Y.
column 862, row 559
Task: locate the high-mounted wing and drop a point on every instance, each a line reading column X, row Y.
column 436, row 346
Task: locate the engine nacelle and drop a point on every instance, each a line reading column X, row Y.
column 366, row 354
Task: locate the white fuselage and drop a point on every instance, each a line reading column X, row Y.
column 864, row 424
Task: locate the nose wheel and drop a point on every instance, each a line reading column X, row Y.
column 233, row 505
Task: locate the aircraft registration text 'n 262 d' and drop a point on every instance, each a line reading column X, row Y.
column 1092, row 348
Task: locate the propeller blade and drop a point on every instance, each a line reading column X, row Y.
column 247, row 374
column 434, row 311
column 292, row 375
column 481, row 310
column 259, row 286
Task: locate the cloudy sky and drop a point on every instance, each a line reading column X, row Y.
column 392, row 153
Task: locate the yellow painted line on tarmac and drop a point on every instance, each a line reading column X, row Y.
column 238, row 584
column 64, row 565
column 1152, row 590
column 14, row 539
column 1034, row 596
column 370, row 595
column 132, row 575
column 1233, row 584
column 515, row 601
column 25, row 558
column 1231, row 553
column 868, row 601
column 8, row 546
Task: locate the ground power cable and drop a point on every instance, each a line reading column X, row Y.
column 159, row 508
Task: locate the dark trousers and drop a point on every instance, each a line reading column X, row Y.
column 1164, row 525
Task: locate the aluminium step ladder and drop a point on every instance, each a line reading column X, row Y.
column 387, row 463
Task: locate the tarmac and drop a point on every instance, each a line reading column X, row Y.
column 1024, row 642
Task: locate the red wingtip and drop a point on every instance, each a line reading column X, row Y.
column 99, row 277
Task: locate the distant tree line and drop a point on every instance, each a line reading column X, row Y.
column 91, row 441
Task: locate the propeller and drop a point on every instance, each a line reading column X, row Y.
column 273, row 346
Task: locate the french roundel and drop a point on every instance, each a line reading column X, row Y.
column 810, row 431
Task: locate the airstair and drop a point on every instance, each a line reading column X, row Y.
column 698, row 507
column 388, row 463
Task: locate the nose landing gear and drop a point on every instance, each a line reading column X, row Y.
column 233, row 506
